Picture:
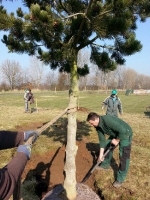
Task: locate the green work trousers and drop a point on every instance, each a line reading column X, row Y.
column 124, row 156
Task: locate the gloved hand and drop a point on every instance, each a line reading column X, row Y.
column 25, row 149
column 28, row 134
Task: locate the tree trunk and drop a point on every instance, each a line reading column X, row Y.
column 71, row 148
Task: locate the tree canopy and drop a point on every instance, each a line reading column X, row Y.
column 55, row 30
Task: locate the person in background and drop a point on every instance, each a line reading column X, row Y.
column 120, row 133
column 148, row 107
column 113, row 104
column 26, row 98
column 11, row 173
column 30, row 97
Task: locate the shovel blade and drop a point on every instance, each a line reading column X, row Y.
column 86, row 177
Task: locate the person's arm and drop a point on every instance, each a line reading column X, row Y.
column 120, row 107
column 101, row 153
column 10, row 174
column 25, row 96
column 9, row 139
column 105, row 102
column 102, row 139
column 102, row 142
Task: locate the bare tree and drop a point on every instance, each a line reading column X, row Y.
column 63, row 81
column 4, row 86
column 12, row 73
column 117, row 77
column 142, row 82
column 35, row 72
column 95, row 78
column 83, row 81
column 129, row 78
column 146, row 82
column 51, row 80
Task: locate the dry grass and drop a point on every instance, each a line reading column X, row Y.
column 137, row 183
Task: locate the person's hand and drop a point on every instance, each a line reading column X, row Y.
column 28, row 134
column 100, row 159
column 101, row 153
column 115, row 141
column 25, row 149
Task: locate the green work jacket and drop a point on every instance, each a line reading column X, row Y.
column 114, row 127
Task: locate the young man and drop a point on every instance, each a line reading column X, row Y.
column 113, row 104
column 119, row 133
column 11, row 173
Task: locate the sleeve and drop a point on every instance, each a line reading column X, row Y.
column 9, row 139
column 25, row 96
column 105, row 102
column 10, row 174
column 120, row 107
column 102, row 139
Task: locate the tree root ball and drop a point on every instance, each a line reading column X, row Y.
column 83, row 193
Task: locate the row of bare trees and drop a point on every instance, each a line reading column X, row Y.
column 121, row 78
column 37, row 76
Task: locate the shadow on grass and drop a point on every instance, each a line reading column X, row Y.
column 147, row 113
column 58, row 131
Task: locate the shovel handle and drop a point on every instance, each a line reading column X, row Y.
column 105, row 154
column 91, row 171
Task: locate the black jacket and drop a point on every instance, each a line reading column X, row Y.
column 10, row 173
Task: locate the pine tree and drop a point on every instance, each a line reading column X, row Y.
column 55, row 31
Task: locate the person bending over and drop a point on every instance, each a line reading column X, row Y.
column 120, row 133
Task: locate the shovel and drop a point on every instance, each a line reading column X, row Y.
column 93, row 168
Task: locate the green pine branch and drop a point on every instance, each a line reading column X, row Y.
column 6, row 22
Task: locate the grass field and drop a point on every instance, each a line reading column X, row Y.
column 50, row 104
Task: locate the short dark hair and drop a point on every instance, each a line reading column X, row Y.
column 92, row 116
